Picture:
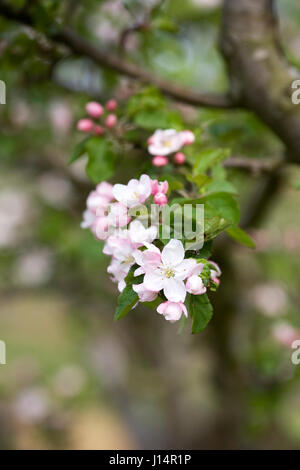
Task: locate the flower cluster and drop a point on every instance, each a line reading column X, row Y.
column 164, row 274
column 99, row 117
column 166, row 142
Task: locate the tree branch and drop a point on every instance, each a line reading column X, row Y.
column 81, row 46
column 254, row 165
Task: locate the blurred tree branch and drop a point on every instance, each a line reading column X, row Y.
column 81, row 46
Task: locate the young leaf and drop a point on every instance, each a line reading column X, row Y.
column 241, row 236
column 208, row 158
column 200, row 309
column 78, row 151
column 101, row 159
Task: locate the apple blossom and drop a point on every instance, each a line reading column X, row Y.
column 159, row 160
column 134, row 193
column 166, row 270
column 164, row 142
column 94, row 109
column 144, row 294
column 85, row 125
column 172, row 311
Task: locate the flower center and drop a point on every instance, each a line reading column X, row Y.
column 167, row 143
column 169, row 272
column 128, row 260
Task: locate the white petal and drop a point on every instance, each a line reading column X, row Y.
column 120, row 192
column 138, row 272
column 184, row 269
column 153, row 282
column 151, row 233
column 173, row 253
column 174, row 290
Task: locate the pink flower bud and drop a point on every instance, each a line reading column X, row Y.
column 98, row 130
column 179, row 158
column 159, row 161
column 111, row 105
column 194, row 285
column 150, row 140
column 94, row 109
column 160, row 199
column 85, row 125
column 111, row 120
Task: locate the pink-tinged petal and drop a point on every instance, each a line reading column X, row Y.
column 194, row 285
column 172, row 311
column 154, row 187
column 197, row 269
column 174, row 290
column 162, row 307
column 121, row 285
column 153, row 281
column 138, row 256
column 160, row 199
column 138, row 272
column 146, row 185
column 152, row 247
column 173, row 253
column 163, row 187
column 184, row 309
column 215, row 272
column 144, row 294
column 184, row 268
column 105, row 189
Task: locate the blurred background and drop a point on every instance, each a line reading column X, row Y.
column 74, row 379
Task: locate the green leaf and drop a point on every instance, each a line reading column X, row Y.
column 200, row 180
column 78, row 151
column 223, row 204
column 208, row 158
column 219, row 182
column 127, row 299
column 101, row 161
column 241, row 236
column 200, row 309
